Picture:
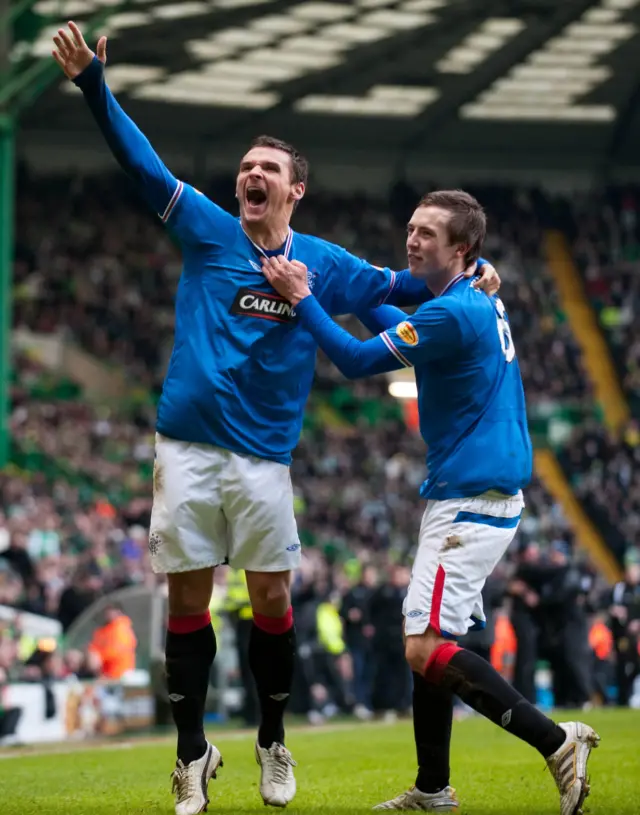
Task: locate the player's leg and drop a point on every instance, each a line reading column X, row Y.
column 188, row 539
column 474, row 543
column 189, row 654
column 272, row 650
column 432, row 703
column 264, row 542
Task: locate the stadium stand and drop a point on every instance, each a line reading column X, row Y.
column 100, row 269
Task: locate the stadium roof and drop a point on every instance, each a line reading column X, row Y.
column 505, row 83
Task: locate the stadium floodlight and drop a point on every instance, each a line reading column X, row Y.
column 601, row 15
column 243, row 37
column 281, row 24
column 123, row 76
column 126, row 19
column 539, row 112
column 355, row 33
column 178, row 11
column 560, row 58
column 488, row 38
column 622, row 5
column 207, row 96
column 388, row 101
column 318, row 44
column 239, row 3
column 401, row 20
column 403, row 389
column 421, row 5
column 526, row 91
column 266, row 72
column 205, row 50
column 323, row 12
column 301, row 59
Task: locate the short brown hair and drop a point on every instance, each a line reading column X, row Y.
column 299, row 164
column 468, row 222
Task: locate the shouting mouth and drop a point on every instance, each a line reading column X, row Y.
column 255, row 200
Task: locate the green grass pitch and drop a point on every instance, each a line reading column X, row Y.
column 341, row 769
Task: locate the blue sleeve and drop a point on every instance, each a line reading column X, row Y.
column 379, row 319
column 355, row 285
column 354, row 359
column 187, row 212
column 434, row 332
column 411, row 291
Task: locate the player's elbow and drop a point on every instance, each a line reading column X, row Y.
column 353, row 372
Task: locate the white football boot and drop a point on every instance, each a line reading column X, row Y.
column 443, row 801
column 277, row 782
column 190, row 781
column 568, row 766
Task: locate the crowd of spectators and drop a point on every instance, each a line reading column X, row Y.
column 92, row 263
column 604, row 228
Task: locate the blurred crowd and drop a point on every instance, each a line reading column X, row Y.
column 75, row 506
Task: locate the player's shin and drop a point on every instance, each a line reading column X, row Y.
column 432, row 719
column 481, row 687
column 272, row 650
column 190, row 651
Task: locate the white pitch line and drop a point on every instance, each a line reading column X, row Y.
column 64, row 748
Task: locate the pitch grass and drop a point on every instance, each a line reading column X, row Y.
column 344, row 769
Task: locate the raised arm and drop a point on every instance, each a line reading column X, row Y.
column 129, row 146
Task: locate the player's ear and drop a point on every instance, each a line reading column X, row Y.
column 298, row 190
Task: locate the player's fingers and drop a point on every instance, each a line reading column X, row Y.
column 59, row 59
column 62, row 50
column 77, row 35
column 66, row 39
column 102, row 49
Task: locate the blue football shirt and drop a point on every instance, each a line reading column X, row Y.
column 470, row 394
column 242, row 363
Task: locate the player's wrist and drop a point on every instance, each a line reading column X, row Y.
column 298, row 297
column 91, row 74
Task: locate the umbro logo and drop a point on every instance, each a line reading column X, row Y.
column 279, row 697
column 175, row 697
column 255, row 265
column 293, row 548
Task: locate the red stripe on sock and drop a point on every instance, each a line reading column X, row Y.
column 189, row 623
column 436, row 600
column 274, row 625
column 439, row 660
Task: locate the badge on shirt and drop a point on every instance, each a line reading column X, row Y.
column 407, row 333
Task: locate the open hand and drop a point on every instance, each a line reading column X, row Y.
column 489, row 280
column 288, row 278
column 73, row 54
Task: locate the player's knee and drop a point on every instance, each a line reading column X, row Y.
column 190, row 592
column 419, row 648
column 270, row 592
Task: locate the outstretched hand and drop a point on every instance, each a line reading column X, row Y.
column 73, row 54
column 288, row 278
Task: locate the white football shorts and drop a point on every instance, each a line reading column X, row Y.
column 212, row 507
column 461, row 541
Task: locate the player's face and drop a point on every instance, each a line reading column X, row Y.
column 429, row 249
column 265, row 187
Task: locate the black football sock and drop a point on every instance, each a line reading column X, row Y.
column 481, row 687
column 432, row 719
column 189, row 657
column 272, row 650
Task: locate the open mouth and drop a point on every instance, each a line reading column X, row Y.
column 256, row 198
